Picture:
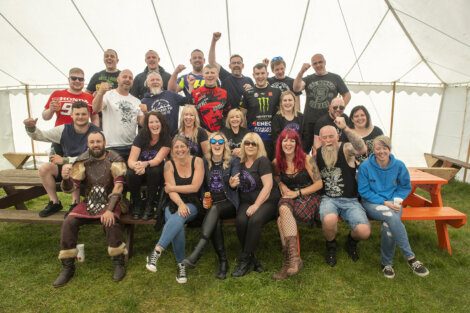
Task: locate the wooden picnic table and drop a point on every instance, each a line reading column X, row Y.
column 427, row 182
column 20, row 186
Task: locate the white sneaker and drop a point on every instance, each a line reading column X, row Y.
column 152, row 259
column 388, row 271
column 181, row 277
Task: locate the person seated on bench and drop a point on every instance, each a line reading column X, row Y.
column 150, row 148
column 222, row 179
column 336, row 162
column 103, row 175
column 299, row 180
column 183, row 179
column 73, row 140
column 383, row 183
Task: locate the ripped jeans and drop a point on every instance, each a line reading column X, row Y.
column 393, row 232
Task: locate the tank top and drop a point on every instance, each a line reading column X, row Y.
column 181, row 181
column 297, row 180
column 340, row 180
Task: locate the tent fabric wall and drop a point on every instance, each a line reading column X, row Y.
column 6, row 133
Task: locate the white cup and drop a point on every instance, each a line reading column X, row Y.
column 397, row 201
column 81, row 252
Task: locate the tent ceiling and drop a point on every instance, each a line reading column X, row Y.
column 363, row 40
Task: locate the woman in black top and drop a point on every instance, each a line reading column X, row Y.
column 183, row 179
column 258, row 201
column 287, row 117
column 190, row 127
column 362, row 125
column 222, row 179
column 149, row 149
column 299, row 181
column 234, row 130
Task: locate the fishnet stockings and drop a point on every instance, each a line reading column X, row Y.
column 286, row 223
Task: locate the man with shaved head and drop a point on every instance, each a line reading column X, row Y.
column 337, row 165
column 320, row 88
column 139, row 88
column 121, row 114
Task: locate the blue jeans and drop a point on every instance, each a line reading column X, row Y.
column 173, row 231
column 393, row 232
column 349, row 209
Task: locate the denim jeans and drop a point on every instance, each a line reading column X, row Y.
column 173, row 231
column 393, row 232
column 349, row 209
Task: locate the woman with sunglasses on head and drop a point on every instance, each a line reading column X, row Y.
column 184, row 175
column 148, row 152
column 362, row 125
column 190, row 127
column 287, row 117
column 222, row 179
column 234, row 130
column 258, row 201
column 299, row 180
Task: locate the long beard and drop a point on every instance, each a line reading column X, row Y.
column 97, row 153
column 155, row 90
column 330, row 155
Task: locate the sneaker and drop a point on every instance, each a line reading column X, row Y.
column 152, row 261
column 181, row 277
column 418, row 268
column 50, row 209
column 388, row 271
column 330, row 257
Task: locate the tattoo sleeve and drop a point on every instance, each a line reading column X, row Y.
column 356, row 141
column 315, row 170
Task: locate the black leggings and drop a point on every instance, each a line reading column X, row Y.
column 154, row 178
column 219, row 211
column 249, row 228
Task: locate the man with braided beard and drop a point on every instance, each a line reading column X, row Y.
column 336, row 162
column 103, row 174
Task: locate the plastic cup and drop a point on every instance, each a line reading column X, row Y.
column 81, row 252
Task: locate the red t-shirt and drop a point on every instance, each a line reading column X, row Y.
column 66, row 99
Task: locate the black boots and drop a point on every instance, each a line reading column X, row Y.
column 149, row 213
column 219, row 247
column 244, row 265
column 351, row 248
column 119, row 267
column 68, row 270
column 191, row 260
column 330, row 257
column 136, row 208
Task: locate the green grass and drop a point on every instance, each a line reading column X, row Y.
column 28, row 265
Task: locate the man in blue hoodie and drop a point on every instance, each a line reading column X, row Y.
column 383, row 183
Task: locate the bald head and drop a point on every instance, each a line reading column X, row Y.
column 318, row 64
column 328, row 136
column 125, row 80
column 336, row 107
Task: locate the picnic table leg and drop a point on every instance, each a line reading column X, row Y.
column 129, row 238
column 443, row 236
column 10, row 190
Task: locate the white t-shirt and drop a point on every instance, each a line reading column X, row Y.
column 120, row 118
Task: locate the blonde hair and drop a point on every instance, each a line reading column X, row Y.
column 189, row 108
column 259, row 143
column 231, row 113
column 227, row 156
column 284, row 94
column 384, row 141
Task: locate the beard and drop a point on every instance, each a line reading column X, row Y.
column 330, row 155
column 155, row 90
column 97, row 153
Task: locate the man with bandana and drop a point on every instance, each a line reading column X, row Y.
column 102, row 173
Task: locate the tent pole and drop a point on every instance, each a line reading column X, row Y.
column 463, row 131
column 394, row 89
column 28, row 105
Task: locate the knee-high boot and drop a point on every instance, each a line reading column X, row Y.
column 68, row 270
column 219, row 247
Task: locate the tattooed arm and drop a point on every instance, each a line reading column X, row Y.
column 355, row 146
column 314, row 173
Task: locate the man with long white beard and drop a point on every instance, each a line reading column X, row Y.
column 336, row 162
column 103, row 175
column 163, row 101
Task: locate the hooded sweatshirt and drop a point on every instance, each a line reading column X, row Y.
column 376, row 184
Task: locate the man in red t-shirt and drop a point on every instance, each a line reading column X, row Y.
column 60, row 101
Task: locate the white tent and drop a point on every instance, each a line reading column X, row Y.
column 420, row 49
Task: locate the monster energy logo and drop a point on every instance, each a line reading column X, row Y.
column 263, row 103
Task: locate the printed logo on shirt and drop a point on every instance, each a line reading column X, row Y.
column 127, row 114
column 323, row 91
column 263, row 103
column 332, row 181
column 247, row 182
column 161, row 105
column 216, row 183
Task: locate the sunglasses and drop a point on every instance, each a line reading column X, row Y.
column 277, row 59
column 213, row 141
column 80, row 79
column 250, row 143
column 338, row 107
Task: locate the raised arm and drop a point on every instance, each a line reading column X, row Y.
column 299, row 84
column 98, row 99
column 173, row 82
column 212, row 59
column 356, row 146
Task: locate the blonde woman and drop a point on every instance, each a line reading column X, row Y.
column 222, row 179
column 287, row 117
column 234, row 130
column 190, row 127
column 258, row 201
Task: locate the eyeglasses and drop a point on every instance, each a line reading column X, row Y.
column 80, row 79
column 338, row 108
column 213, row 141
column 275, row 59
column 250, row 143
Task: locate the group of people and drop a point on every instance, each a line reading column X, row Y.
column 239, row 149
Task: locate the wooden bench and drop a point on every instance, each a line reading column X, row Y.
column 443, row 166
column 442, row 216
column 20, row 186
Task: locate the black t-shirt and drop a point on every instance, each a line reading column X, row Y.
column 287, row 83
column 280, row 123
column 100, row 77
column 147, row 152
column 250, row 180
column 195, row 147
column 261, row 104
column 234, row 87
column 327, row 120
column 320, row 90
column 369, row 139
column 139, row 89
column 216, row 182
column 234, row 140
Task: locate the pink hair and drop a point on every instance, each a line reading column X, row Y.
column 299, row 154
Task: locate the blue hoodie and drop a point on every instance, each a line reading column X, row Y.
column 376, row 184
